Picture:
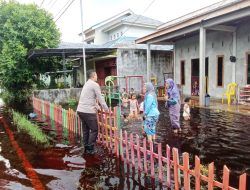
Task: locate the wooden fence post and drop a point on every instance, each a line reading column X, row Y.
column 138, row 152
column 211, row 176
column 243, row 182
column 121, row 145
column 225, row 177
column 197, row 172
column 160, row 162
column 186, row 171
column 145, row 155
column 152, row 164
column 176, row 164
column 168, row 166
column 117, row 142
column 110, row 128
column 126, row 145
column 131, row 138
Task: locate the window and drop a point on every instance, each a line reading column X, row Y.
column 182, row 72
column 117, row 35
column 220, row 60
column 248, row 68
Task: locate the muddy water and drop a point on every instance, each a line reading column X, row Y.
column 213, row 135
column 12, row 174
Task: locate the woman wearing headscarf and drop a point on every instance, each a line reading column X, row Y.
column 173, row 103
column 151, row 112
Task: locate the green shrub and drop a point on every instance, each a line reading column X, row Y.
column 24, row 125
column 72, row 103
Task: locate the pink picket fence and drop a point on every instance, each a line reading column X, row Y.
column 153, row 159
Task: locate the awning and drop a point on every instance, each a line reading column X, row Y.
column 70, row 52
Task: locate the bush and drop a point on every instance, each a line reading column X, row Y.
column 72, row 103
column 24, row 125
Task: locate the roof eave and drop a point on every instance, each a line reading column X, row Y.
column 193, row 21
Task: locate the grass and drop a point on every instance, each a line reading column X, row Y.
column 24, row 125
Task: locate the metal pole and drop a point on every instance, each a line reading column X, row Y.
column 83, row 49
column 148, row 63
column 234, row 54
column 202, row 66
column 174, row 63
column 64, row 70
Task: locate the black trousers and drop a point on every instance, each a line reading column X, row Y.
column 90, row 128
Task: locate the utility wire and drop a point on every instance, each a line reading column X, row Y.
column 61, row 10
column 64, row 10
column 42, row 3
column 53, row 4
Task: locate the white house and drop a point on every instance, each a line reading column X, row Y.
column 125, row 24
column 212, row 43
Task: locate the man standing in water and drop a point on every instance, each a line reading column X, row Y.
column 87, row 108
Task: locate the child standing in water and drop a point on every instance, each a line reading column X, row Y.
column 173, row 104
column 125, row 107
column 186, row 109
column 151, row 112
column 134, row 107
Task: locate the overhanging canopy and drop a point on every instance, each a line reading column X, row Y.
column 69, row 52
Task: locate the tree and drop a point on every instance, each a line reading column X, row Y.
column 22, row 28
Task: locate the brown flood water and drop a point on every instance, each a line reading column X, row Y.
column 216, row 136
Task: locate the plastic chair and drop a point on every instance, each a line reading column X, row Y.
column 230, row 93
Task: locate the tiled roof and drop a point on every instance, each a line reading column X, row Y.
column 139, row 19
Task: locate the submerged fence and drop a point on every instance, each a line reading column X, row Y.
column 160, row 162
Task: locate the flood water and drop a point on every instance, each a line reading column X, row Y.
column 213, row 135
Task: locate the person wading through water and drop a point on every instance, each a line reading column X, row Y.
column 87, row 108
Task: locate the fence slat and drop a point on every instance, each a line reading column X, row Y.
column 126, row 146
column 176, row 163
column 186, row 170
column 121, row 145
column 117, row 142
column 168, row 166
column 99, row 128
column 110, row 125
column 225, row 177
column 160, row 162
column 197, row 173
column 243, row 182
column 152, row 165
column 138, row 152
column 211, row 176
column 145, row 155
column 106, row 129
column 131, row 138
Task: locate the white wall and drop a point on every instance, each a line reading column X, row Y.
column 188, row 49
column 135, row 31
column 100, row 37
column 130, row 31
column 119, row 30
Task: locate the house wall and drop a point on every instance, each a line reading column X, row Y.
column 217, row 43
column 133, row 62
column 100, row 37
column 130, row 31
column 135, row 31
column 116, row 33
